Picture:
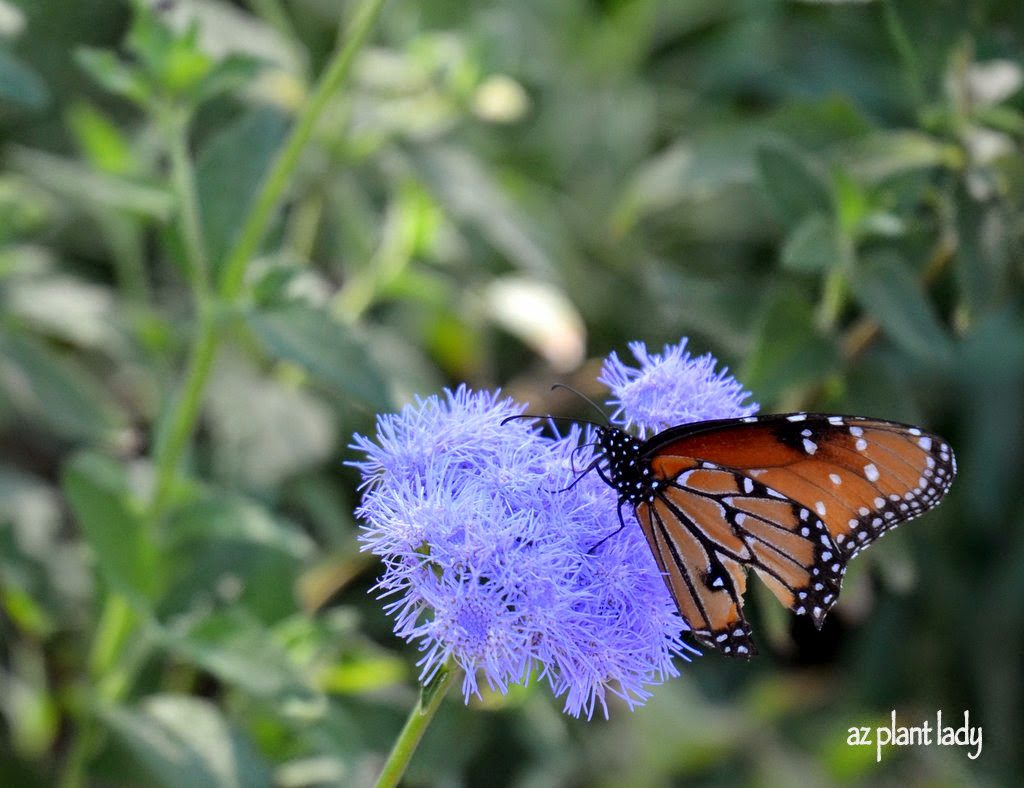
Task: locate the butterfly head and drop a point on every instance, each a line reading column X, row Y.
column 629, row 473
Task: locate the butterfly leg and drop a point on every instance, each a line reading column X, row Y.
column 622, row 525
column 595, row 464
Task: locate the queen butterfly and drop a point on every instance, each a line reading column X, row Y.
column 792, row 496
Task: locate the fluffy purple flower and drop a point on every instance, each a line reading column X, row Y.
column 671, row 388
column 488, row 557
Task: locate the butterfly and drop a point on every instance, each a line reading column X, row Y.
column 792, row 497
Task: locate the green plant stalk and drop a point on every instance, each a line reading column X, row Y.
column 184, row 179
column 837, row 281
column 185, row 412
column 113, row 660
column 172, row 441
column 901, row 42
column 117, row 619
column 419, row 718
column 272, row 192
column 125, row 242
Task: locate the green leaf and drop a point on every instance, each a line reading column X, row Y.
column 812, row 246
column 25, row 208
column 20, row 85
column 230, row 546
column 334, row 353
column 227, row 75
column 71, row 310
column 470, row 192
column 795, row 187
column 58, row 392
column 884, row 154
column 149, row 38
column 87, row 188
column 112, row 524
column 100, row 140
column 239, row 649
column 985, row 253
column 990, row 377
column 181, row 740
column 890, row 293
column 28, row 707
column 119, row 78
column 229, row 172
column 173, row 61
column 265, row 429
column 852, row 202
column 789, row 353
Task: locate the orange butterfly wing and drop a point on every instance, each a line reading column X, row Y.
column 793, row 497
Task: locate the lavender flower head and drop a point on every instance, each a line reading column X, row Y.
column 671, row 388
column 488, row 552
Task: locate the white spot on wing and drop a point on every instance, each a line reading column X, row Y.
column 819, row 507
column 835, row 478
column 871, row 472
column 796, row 417
column 810, row 446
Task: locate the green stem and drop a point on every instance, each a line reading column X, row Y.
column 184, row 180
column 901, row 42
column 419, row 718
column 116, row 621
column 126, row 252
column 178, row 428
column 270, row 196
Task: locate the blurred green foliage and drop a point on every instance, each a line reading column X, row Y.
column 827, row 195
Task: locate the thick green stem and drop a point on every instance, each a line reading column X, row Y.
column 184, row 179
column 181, row 422
column 270, row 196
column 901, row 42
column 177, row 430
column 408, row 740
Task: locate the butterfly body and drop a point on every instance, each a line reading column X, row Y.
column 792, row 497
column 628, row 471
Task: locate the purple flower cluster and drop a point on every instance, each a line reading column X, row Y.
column 488, row 552
column 671, row 388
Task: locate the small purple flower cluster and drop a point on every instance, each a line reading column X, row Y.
column 488, row 552
column 671, row 388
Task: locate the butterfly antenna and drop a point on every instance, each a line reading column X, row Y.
column 585, row 398
column 546, row 416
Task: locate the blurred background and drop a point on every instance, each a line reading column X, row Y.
column 828, row 196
